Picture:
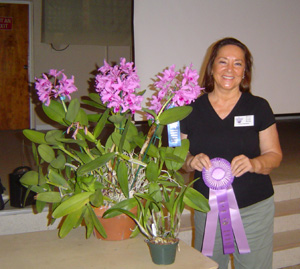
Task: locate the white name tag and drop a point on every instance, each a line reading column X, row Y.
column 242, row 121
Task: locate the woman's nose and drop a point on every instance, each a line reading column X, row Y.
column 229, row 67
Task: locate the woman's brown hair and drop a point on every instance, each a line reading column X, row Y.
column 208, row 80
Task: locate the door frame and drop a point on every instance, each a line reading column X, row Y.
column 30, row 62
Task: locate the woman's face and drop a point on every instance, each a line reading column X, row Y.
column 228, row 68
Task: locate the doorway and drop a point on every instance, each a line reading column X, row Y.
column 14, row 58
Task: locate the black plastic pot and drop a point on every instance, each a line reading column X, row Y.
column 163, row 254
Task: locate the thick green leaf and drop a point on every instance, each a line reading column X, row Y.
column 122, row 174
column 101, row 123
column 49, row 197
column 73, row 110
column 57, row 180
column 70, row 222
column 124, row 205
column 154, row 190
column 35, row 136
column 39, row 205
column 82, row 118
column 72, row 204
column 174, row 114
column 96, row 198
column 195, row 200
column 117, row 138
column 93, row 117
column 96, row 98
column 55, row 111
column 151, row 112
column 80, row 143
column 59, row 162
column 88, row 223
column 46, row 153
column 95, row 164
column 175, row 157
column 96, row 222
column 84, row 157
column 117, row 119
column 152, row 171
column 53, row 136
column 30, row 178
column 92, row 103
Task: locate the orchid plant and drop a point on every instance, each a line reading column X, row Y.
column 78, row 169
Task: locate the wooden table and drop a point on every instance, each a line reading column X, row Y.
column 45, row 250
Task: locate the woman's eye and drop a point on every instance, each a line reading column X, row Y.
column 238, row 64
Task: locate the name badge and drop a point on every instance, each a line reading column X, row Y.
column 243, row 121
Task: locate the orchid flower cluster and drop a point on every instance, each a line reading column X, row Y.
column 116, row 86
column 91, row 169
column 60, row 87
column 175, row 88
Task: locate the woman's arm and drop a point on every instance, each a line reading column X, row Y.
column 271, row 155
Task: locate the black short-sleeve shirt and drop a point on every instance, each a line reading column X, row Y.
column 226, row 138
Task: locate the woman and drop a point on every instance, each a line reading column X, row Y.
column 229, row 122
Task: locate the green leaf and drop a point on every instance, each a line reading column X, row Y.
column 152, row 172
column 93, row 104
column 55, row 111
column 96, row 98
column 46, row 153
column 82, row 118
column 95, row 164
column 117, row 138
column 59, row 162
column 96, row 198
column 49, row 197
column 124, row 205
column 195, row 200
column 57, row 180
column 93, row 117
column 151, row 112
column 53, row 136
column 175, row 157
column 174, row 114
column 30, row 178
column 73, row 110
column 96, row 222
column 72, row 204
column 101, row 123
column 40, row 206
column 154, row 190
column 116, row 119
column 88, row 223
column 35, row 136
column 70, row 222
column 122, row 174
column 81, row 143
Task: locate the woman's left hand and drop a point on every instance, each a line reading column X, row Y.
column 240, row 165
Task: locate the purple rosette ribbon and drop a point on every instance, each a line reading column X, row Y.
column 222, row 203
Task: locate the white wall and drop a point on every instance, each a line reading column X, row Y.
column 77, row 60
column 179, row 32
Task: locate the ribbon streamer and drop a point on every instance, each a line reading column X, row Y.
column 223, row 203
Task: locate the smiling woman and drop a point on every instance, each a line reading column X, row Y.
column 229, row 122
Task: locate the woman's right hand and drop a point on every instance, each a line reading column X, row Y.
column 197, row 162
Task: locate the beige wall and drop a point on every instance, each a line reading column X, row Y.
column 77, row 60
